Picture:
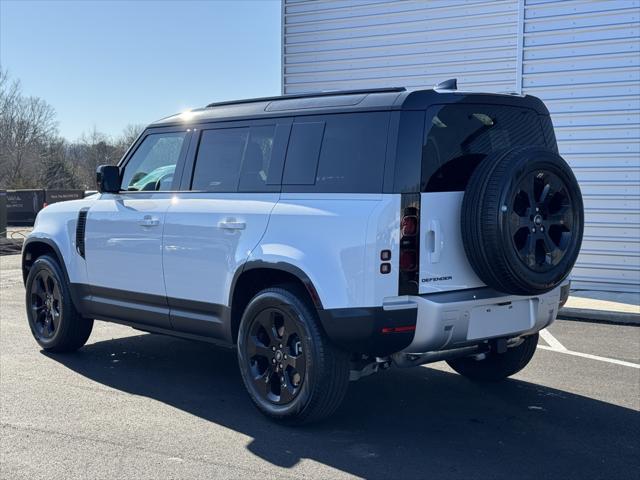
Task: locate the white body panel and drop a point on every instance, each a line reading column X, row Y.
column 123, row 242
column 443, row 262
column 207, row 238
column 335, row 239
column 56, row 224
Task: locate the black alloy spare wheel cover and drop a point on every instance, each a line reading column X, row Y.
column 541, row 219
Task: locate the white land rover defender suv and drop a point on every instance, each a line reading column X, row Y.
column 324, row 236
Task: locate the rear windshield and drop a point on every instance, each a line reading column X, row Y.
column 457, row 138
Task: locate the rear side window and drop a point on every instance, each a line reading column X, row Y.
column 235, row 159
column 219, row 159
column 303, row 153
column 458, row 137
column 342, row 153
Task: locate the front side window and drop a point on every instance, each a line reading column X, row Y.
column 152, row 166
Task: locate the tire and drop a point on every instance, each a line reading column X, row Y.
column 497, row 366
column 522, row 220
column 54, row 321
column 279, row 329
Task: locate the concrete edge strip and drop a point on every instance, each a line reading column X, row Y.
column 592, row 357
column 599, row 315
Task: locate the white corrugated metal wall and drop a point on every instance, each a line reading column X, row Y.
column 582, row 57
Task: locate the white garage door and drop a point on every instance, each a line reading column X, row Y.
column 581, row 57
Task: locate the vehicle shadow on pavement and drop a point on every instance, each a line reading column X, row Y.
column 414, row 423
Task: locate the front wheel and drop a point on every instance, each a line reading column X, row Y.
column 292, row 372
column 54, row 321
column 497, row 366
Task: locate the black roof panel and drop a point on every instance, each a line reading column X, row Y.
column 342, row 102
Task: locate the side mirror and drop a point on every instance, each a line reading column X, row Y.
column 108, row 179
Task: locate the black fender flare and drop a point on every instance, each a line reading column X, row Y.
column 282, row 266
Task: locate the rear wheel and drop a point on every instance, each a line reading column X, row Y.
column 54, row 321
column 497, row 366
column 291, row 371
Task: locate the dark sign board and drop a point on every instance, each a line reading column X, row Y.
column 24, row 205
column 53, row 196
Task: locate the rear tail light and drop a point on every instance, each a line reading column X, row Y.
column 409, row 258
column 409, row 225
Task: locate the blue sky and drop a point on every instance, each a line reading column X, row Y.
column 111, row 63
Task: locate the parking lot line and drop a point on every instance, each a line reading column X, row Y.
column 592, row 357
column 551, row 340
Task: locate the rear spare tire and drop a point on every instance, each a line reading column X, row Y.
column 522, row 220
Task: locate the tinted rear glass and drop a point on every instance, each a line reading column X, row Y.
column 219, row 159
column 342, row 153
column 458, row 137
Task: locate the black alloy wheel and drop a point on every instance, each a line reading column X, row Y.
column 275, row 353
column 54, row 321
column 46, row 305
column 541, row 220
column 291, row 370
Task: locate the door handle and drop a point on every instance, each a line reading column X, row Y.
column 232, row 224
column 435, row 241
column 149, row 221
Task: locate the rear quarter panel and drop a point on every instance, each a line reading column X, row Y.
column 335, row 239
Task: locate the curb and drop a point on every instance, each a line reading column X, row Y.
column 600, row 316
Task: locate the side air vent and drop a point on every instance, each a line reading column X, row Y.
column 80, row 228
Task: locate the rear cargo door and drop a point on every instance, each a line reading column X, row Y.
column 457, row 138
column 443, row 262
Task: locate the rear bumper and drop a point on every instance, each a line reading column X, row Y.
column 378, row 331
column 439, row 321
column 456, row 319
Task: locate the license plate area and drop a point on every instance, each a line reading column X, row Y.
column 496, row 320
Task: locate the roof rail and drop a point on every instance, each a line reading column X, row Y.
column 324, row 93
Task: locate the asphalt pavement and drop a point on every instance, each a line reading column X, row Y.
column 135, row 405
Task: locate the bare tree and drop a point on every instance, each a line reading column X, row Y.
column 26, row 124
column 129, row 134
column 32, row 155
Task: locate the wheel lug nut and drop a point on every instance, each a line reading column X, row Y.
column 537, row 209
column 273, row 360
column 285, row 357
column 533, row 230
column 280, row 366
column 280, row 345
column 273, row 348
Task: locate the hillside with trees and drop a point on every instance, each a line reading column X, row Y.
column 34, row 155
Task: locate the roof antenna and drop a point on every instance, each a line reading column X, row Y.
column 451, row 84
